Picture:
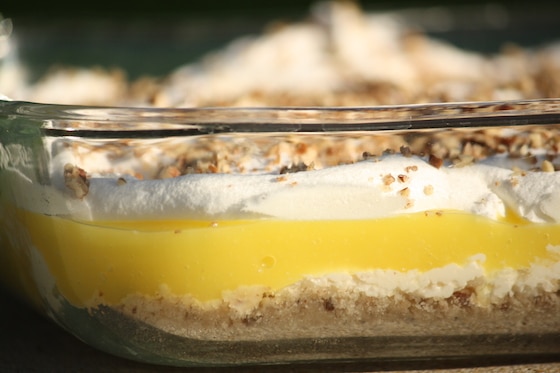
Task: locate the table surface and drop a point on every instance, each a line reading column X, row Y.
column 31, row 343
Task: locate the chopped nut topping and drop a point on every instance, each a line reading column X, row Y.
column 388, row 151
column 217, row 154
column 212, row 168
column 402, row 178
column 428, row 190
column 296, row 168
column 532, row 160
column 76, row 180
column 405, row 151
column 367, row 155
column 547, row 166
column 435, row 161
column 388, row 179
column 169, row 172
column 301, row 148
column 518, row 172
column 405, row 192
column 463, row 160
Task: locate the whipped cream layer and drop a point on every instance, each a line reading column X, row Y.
column 373, row 188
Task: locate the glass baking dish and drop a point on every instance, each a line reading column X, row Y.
column 226, row 236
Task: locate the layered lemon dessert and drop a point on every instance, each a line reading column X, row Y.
column 267, row 236
column 229, row 237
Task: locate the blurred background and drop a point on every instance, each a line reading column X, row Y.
column 119, row 34
column 143, row 8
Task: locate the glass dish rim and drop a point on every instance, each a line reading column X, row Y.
column 99, row 121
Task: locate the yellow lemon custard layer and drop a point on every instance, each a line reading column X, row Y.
column 204, row 259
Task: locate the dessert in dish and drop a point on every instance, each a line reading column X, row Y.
column 257, row 227
column 259, row 236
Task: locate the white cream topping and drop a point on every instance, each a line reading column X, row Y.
column 439, row 282
column 373, row 188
